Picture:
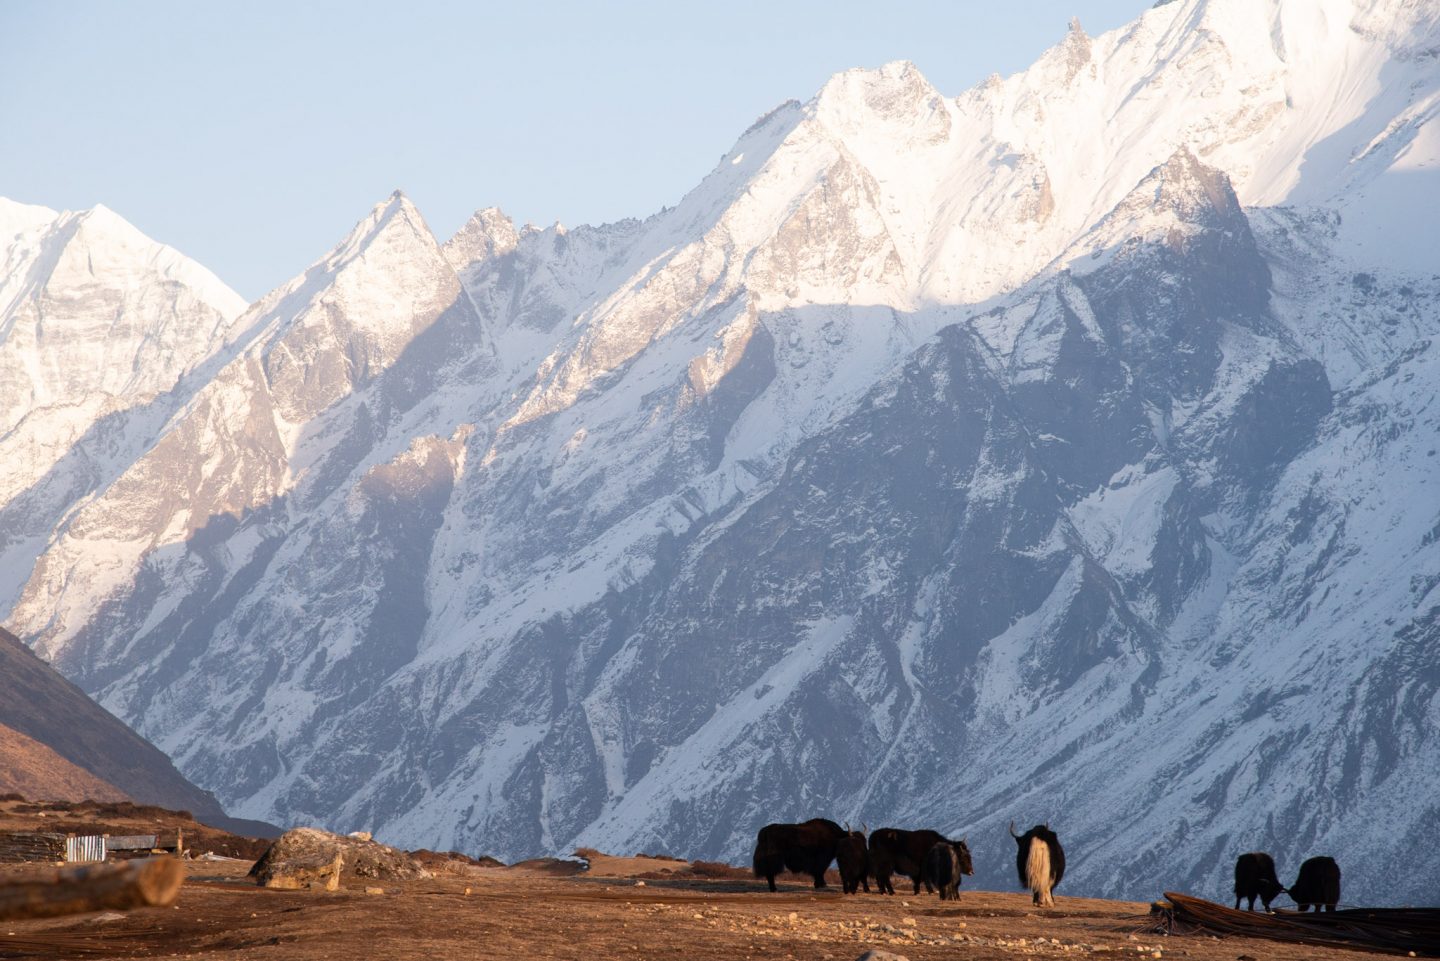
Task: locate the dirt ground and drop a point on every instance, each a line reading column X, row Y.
column 606, row 913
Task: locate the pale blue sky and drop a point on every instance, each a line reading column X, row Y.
column 253, row 135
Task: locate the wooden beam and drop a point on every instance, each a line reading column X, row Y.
column 153, row 882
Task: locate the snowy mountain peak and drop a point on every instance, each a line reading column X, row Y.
column 896, row 92
column 16, row 218
column 1182, row 198
column 1077, row 49
column 354, row 311
column 1189, row 187
column 394, row 213
column 488, row 233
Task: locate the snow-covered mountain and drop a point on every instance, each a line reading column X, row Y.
column 1061, row 450
column 97, row 323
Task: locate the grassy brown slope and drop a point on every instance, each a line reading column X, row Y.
column 30, row 768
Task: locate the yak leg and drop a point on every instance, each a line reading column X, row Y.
column 771, row 879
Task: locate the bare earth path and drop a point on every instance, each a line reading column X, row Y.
column 512, row 914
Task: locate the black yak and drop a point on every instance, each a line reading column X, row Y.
column 893, row 851
column 1255, row 877
column 944, row 863
column 853, row 860
column 806, row 848
column 1318, row 884
column 1040, row 862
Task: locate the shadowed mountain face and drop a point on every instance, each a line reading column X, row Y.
column 935, row 462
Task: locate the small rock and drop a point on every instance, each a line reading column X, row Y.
column 878, row 955
column 639, row 884
column 370, row 890
column 361, row 835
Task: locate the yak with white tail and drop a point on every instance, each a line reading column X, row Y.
column 1040, row 862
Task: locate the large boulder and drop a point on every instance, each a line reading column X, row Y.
column 312, row 858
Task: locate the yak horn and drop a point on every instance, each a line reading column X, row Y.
column 1012, row 831
column 847, row 827
column 864, row 829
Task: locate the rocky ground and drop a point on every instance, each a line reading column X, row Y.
column 631, row 908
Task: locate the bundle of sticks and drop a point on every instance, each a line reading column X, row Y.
column 1397, row 930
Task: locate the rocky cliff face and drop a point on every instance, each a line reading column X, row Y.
column 1062, row 450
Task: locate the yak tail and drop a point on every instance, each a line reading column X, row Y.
column 1037, row 871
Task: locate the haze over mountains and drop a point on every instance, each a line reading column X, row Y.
column 1064, row 449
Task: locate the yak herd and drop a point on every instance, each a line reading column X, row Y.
column 929, row 858
column 925, row 857
column 1318, row 883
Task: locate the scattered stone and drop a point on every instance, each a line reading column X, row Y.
column 881, row 956
column 371, row 890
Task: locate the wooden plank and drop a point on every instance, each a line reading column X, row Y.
column 153, row 882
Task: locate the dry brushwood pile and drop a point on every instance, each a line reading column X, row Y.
column 1414, row 932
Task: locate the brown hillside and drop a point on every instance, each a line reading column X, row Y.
column 30, row 768
column 37, row 702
